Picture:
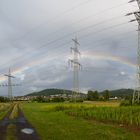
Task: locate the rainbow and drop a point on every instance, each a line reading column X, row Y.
column 28, row 66
column 110, row 57
column 89, row 55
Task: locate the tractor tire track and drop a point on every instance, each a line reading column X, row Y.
column 4, row 124
column 19, row 123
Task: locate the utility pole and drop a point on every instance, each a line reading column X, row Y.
column 136, row 93
column 76, row 67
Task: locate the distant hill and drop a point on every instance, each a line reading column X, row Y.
column 48, row 92
column 120, row 92
column 113, row 93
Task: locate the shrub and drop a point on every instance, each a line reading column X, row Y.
column 126, row 103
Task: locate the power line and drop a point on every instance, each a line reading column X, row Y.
column 61, row 38
column 127, row 32
column 47, row 44
column 101, row 12
column 94, row 46
column 64, row 44
column 56, row 17
column 101, row 41
column 71, row 9
column 87, row 27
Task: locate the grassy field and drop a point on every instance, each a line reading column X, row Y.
column 53, row 122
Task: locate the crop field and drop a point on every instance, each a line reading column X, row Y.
column 83, row 121
column 121, row 115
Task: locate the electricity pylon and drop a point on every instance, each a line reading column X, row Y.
column 9, row 85
column 75, row 64
column 136, row 93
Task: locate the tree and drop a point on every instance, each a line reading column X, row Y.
column 41, row 99
column 106, row 95
column 92, row 95
column 89, row 95
column 4, row 99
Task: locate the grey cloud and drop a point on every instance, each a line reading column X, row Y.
column 26, row 25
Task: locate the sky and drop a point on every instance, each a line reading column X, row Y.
column 36, row 37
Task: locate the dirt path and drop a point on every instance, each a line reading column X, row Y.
column 16, row 128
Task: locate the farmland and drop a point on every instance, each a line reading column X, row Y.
column 97, row 120
column 90, row 120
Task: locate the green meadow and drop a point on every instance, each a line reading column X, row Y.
column 83, row 121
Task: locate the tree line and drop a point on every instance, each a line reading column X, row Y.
column 95, row 96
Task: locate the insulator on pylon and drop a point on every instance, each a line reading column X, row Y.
column 129, row 14
column 132, row 20
column 132, row 1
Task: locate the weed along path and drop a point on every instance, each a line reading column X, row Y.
column 15, row 127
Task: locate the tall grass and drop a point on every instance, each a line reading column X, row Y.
column 14, row 112
column 113, row 113
column 123, row 115
column 4, row 107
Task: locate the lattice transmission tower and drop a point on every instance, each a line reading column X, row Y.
column 9, row 85
column 75, row 64
column 136, row 93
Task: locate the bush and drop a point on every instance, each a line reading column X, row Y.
column 92, row 95
column 57, row 99
column 76, row 100
column 4, row 99
column 41, row 99
column 126, row 103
